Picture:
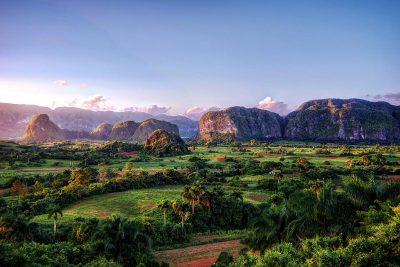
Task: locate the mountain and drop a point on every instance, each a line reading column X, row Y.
column 101, row 132
column 148, row 126
column 318, row 120
column 15, row 117
column 240, row 123
column 163, row 143
column 344, row 119
column 42, row 129
column 123, row 130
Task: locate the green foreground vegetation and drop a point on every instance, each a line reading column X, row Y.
column 115, row 204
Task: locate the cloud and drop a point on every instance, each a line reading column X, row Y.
column 153, row 109
column 195, row 113
column 95, row 103
column 82, row 85
column 61, row 82
column 275, row 106
column 393, row 98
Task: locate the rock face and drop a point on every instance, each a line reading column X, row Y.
column 163, row 143
column 344, row 119
column 148, row 126
column 123, row 130
column 41, row 129
column 241, row 124
column 101, row 132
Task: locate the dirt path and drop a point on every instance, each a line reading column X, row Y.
column 199, row 256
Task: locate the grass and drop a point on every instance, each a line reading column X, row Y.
column 132, row 204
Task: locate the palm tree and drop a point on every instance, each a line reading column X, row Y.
column 198, row 189
column 164, row 206
column 180, row 210
column 269, row 228
column 190, row 196
column 122, row 239
column 304, row 207
column 54, row 211
column 365, row 194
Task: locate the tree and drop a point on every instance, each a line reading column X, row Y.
column 189, row 196
column 80, row 176
column 164, row 206
column 129, row 166
column 37, row 187
column 237, row 195
column 180, row 209
column 15, row 227
column 365, row 194
column 105, row 172
column 121, row 239
column 269, row 228
column 19, row 188
column 54, row 211
column 303, row 164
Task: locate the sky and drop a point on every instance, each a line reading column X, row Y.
column 190, row 56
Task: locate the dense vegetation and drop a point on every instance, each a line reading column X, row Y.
column 123, row 204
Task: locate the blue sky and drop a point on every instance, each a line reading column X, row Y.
column 182, row 54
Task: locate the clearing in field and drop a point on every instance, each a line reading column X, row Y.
column 199, row 256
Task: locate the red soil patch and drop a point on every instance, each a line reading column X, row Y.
column 3, row 191
column 103, row 215
column 221, row 159
column 149, row 205
column 199, row 263
column 258, row 198
column 392, row 178
column 199, row 256
column 130, row 154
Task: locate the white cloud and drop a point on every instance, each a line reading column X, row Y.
column 195, row 113
column 275, row 106
column 61, row 82
column 153, row 109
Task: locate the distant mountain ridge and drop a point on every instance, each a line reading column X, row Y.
column 15, row 117
column 316, row 120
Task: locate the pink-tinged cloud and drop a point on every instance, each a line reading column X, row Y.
column 95, row 103
column 393, row 98
column 61, row 82
column 82, row 85
column 275, row 106
column 153, row 109
column 195, row 113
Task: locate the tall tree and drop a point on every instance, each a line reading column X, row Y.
column 180, row 209
column 54, row 212
column 164, row 206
